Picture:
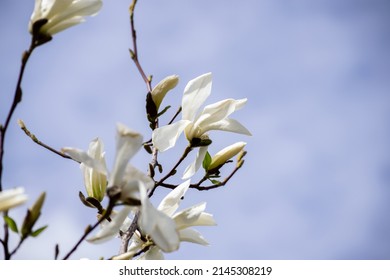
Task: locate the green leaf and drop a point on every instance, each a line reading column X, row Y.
column 37, row 232
column 163, row 111
column 206, row 161
column 11, row 224
column 215, row 182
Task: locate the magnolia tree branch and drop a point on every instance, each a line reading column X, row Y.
column 198, row 186
column 17, row 99
column 126, row 236
column 40, row 143
column 134, row 51
column 89, row 229
column 3, row 129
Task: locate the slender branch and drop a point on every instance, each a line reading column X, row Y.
column 4, row 242
column 134, row 51
column 3, row 129
column 17, row 99
column 40, row 143
column 173, row 170
column 126, row 236
column 198, row 186
column 17, row 247
column 89, row 229
column 175, row 116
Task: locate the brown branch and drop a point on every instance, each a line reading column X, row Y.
column 40, row 143
column 198, row 186
column 89, row 229
column 17, row 99
column 134, row 51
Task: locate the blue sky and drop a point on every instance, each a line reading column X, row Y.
column 316, row 180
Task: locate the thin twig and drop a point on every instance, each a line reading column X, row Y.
column 17, row 99
column 89, row 229
column 3, row 129
column 134, row 51
column 127, row 235
column 175, row 116
column 198, row 186
column 40, row 143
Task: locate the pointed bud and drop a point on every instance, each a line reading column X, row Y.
column 225, row 154
column 32, row 216
column 161, row 89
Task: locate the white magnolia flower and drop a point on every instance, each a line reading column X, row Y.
column 197, row 125
column 11, row 198
column 123, row 174
column 62, row 14
column 166, row 228
column 225, row 154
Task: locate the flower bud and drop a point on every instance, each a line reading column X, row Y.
column 161, row 89
column 225, row 154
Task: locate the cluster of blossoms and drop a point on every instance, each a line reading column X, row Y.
column 160, row 229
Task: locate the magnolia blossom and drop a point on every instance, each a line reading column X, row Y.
column 225, row 154
column 197, row 125
column 165, row 228
column 122, row 174
column 11, row 198
column 61, row 14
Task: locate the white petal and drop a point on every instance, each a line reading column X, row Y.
column 189, row 216
column 125, row 256
column 132, row 173
column 160, row 227
column 131, row 191
column 128, row 142
column 11, row 198
column 195, row 94
column 216, row 112
column 194, row 216
column 172, row 201
column 83, row 157
column 191, row 235
column 111, row 229
column 229, row 125
column 195, row 165
column 63, row 15
column 165, row 137
column 153, row 253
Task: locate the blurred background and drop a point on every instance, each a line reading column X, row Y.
column 316, row 182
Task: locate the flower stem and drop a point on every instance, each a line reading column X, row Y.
column 89, row 229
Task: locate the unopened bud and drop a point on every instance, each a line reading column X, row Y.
column 161, row 89
column 225, row 154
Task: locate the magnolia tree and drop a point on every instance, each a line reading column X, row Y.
column 121, row 194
